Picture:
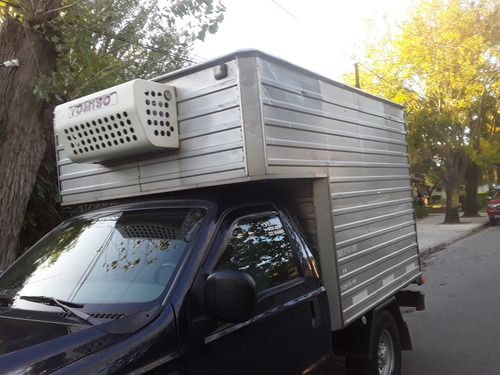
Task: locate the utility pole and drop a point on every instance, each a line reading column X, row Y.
column 356, row 72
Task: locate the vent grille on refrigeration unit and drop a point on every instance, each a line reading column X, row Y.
column 133, row 118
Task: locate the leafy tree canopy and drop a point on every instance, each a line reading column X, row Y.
column 102, row 43
column 443, row 64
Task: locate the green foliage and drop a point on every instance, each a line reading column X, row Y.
column 483, row 199
column 421, row 212
column 106, row 42
column 10, row 8
column 443, row 64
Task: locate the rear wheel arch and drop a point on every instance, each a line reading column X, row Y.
column 363, row 342
column 384, row 349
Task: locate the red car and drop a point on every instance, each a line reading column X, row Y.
column 494, row 208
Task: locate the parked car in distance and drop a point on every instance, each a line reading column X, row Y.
column 493, row 208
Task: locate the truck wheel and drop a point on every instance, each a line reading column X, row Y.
column 492, row 222
column 387, row 358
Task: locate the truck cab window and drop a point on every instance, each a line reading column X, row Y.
column 260, row 246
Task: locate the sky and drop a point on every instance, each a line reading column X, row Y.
column 319, row 35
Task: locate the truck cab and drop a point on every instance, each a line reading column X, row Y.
column 183, row 286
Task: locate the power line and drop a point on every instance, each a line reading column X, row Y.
column 286, row 10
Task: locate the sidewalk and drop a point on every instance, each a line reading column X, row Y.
column 433, row 234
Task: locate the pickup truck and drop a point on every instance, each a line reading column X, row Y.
column 253, row 218
column 182, row 286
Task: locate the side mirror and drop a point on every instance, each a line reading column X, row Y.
column 230, row 296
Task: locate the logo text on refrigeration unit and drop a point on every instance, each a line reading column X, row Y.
column 93, row 104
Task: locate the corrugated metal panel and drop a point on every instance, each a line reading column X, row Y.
column 211, row 148
column 359, row 141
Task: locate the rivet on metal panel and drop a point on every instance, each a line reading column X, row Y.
column 220, row 71
column 167, row 94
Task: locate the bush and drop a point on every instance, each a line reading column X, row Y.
column 483, row 199
column 421, row 212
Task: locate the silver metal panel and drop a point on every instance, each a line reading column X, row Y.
column 211, row 148
column 359, row 141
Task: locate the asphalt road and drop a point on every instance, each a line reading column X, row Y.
column 459, row 332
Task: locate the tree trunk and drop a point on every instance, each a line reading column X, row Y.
column 452, row 200
column 471, row 208
column 24, row 124
column 452, row 176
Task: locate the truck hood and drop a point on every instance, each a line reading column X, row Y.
column 38, row 347
column 35, row 346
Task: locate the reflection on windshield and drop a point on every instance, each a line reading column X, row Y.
column 126, row 257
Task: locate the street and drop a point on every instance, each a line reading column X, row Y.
column 458, row 333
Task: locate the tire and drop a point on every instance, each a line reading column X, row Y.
column 492, row 222
column 386, row 346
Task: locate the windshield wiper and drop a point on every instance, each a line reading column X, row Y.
column 65, row 305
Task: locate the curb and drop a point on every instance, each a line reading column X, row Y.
column 431, row 249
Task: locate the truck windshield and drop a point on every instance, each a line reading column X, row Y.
column 106, row 260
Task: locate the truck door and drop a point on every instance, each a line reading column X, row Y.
column 290, row 331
